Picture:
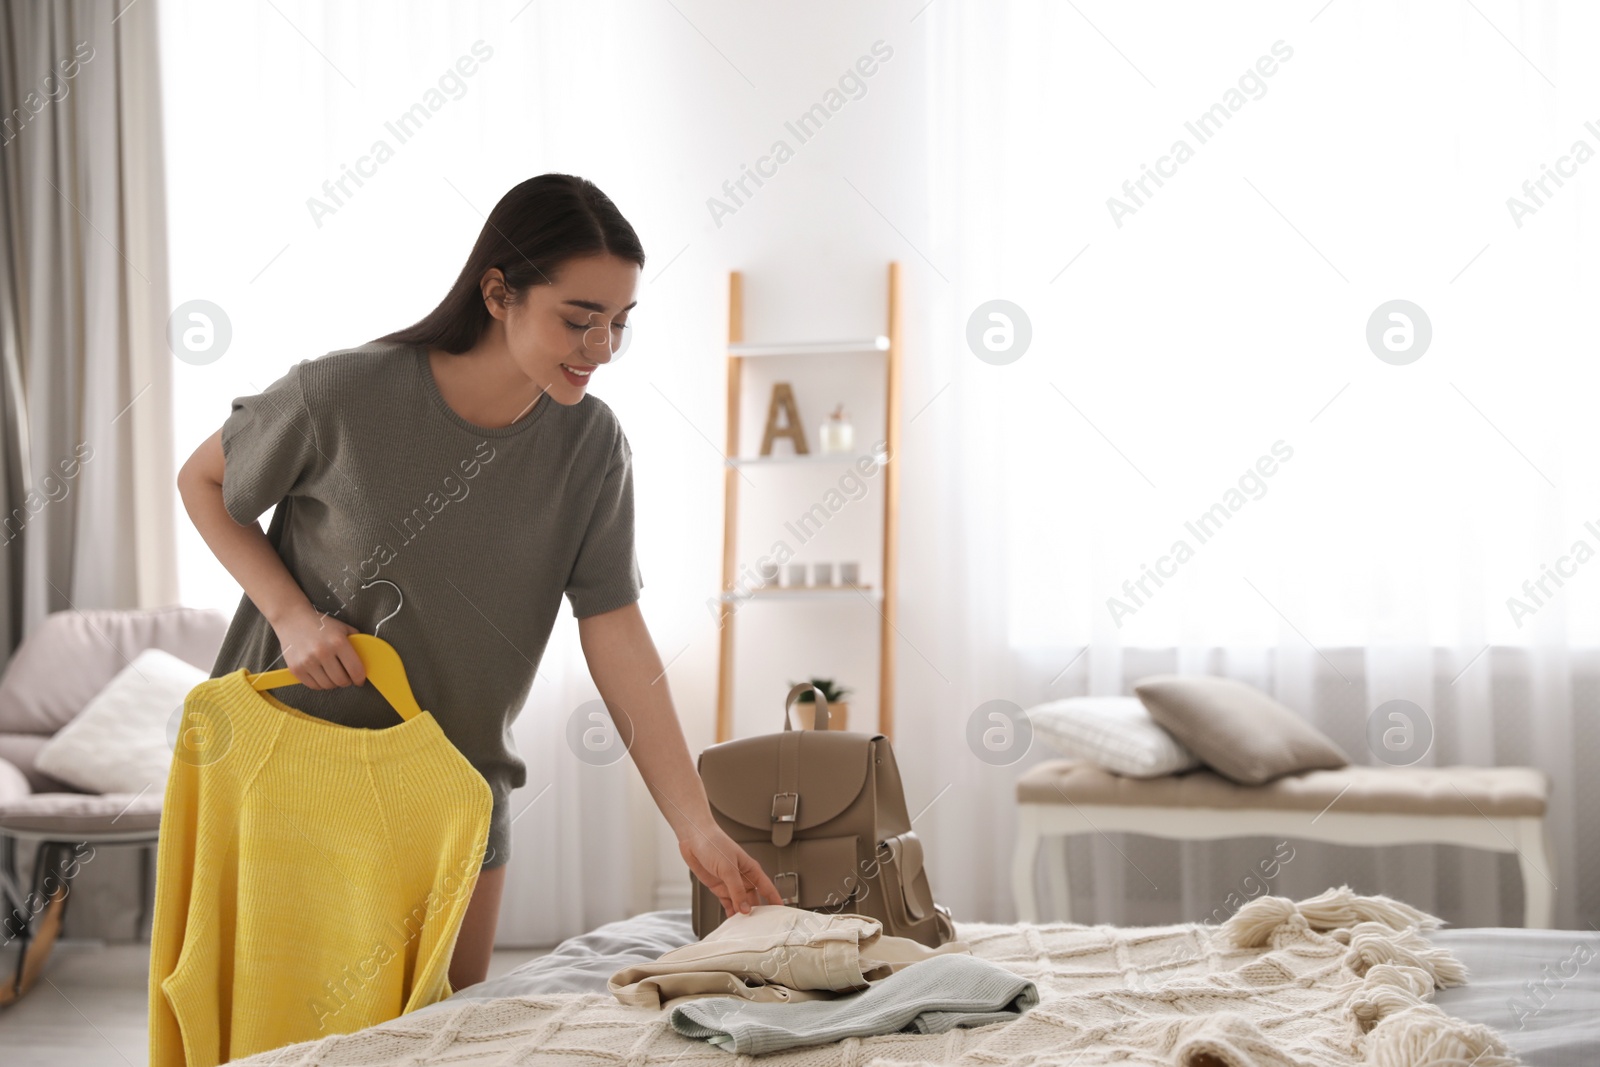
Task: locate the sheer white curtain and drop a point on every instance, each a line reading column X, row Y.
column 1356, row 153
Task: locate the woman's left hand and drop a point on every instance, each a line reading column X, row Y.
column 727, row 870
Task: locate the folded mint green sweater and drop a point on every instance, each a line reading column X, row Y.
column 930, row 996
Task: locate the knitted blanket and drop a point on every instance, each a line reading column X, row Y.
column 1333, row 981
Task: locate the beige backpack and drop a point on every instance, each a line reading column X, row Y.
column 824, row 814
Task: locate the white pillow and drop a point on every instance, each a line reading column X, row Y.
column 118, row 742
column 1116, row 733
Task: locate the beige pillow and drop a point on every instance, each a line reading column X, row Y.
column 1241, row 732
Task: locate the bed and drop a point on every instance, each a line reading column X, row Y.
column 1539, row 990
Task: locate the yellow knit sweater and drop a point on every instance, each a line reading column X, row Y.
column 311, row 878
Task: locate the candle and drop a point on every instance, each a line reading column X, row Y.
column 837, row 434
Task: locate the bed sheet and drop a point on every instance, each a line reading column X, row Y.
column 1539, row 988
column 582, row 964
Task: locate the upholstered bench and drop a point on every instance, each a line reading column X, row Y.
column 1496, row 808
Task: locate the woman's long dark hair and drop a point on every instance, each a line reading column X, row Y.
column 535, row 227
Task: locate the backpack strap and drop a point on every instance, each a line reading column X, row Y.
column 786, row 801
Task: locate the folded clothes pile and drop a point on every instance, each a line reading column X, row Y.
column 781, row 977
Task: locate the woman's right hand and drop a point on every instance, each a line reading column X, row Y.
column 316, row 647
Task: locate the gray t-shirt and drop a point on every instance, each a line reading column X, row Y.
column 376, row 479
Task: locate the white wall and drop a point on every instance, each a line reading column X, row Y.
column 813, row 249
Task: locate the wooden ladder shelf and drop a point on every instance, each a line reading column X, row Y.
column 739, row 351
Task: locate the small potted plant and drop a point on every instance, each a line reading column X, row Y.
column 806, row 705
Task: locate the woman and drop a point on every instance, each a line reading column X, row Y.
column 461, row 462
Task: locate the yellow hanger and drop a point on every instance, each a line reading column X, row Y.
column 384, row 669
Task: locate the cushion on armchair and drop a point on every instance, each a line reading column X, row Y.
column 71, row 655
column 68, row 814
column 118, row 743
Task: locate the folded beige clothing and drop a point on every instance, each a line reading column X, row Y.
column 775, row 953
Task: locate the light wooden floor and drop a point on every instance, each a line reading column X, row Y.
column 91, row 1008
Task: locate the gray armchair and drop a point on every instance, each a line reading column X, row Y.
column 51, row 677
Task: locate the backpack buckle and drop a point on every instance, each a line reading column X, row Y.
column 791, row 879
column 792, row 807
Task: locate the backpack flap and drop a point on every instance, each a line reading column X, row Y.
column 776, row 784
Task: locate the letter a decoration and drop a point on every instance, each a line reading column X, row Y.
column 783, row 401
